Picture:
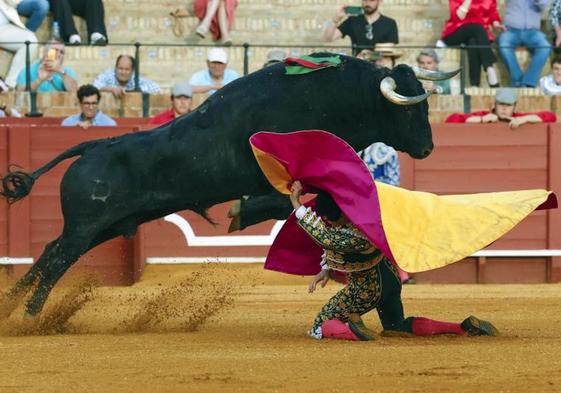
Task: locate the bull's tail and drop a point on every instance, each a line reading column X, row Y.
column 16, row 184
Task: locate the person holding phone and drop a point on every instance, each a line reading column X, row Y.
column 50, row 74
column 364, row 25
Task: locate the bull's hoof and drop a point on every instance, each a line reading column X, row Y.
column 234, row 224
column 235, row 209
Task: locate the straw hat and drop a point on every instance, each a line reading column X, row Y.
column 388, row 49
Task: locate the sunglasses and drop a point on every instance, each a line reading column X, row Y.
column 369, row 34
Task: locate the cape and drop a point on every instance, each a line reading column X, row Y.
column 419, row 231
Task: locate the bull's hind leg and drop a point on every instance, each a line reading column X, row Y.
column 63, row 254
column 13, row 298
column 68, row 251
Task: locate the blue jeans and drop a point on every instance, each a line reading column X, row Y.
column 539, row 48
column 35, row 10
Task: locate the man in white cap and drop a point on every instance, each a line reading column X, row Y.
column 504, row 110
column 216, row 75
column 181, row 94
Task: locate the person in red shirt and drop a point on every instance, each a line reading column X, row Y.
column 504, row 110
column 469, row 24
column 181, row 94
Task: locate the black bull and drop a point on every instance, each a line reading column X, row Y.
column 204, row 158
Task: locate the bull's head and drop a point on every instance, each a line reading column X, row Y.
column 407, row 108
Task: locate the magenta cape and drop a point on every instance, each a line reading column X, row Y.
column 321, row 160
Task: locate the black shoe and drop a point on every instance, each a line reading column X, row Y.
column 359, row 329
column 478, row 327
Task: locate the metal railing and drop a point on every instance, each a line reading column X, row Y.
column 247, row 54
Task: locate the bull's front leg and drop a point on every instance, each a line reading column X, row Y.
column 255, row 209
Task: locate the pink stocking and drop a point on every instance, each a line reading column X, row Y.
column 429, row 327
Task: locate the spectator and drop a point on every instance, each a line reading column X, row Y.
column 120, row 79
column 5, row 109
column 274, row 56
column 216, row 76
column 554, row 20
column 13, row 34
column 91, row 10
column 428, row 60
column 469, row 24
column 35, row 11
column 365, row 30
column 216, row 16
column 181, row 94
column 89, row 97
column 522, row 21
column 503, row 110
column 387, row 54
column 50, row 74
column 551, row 84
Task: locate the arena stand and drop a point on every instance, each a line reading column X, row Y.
column 467, row 158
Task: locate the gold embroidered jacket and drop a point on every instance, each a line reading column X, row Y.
column 345, row 247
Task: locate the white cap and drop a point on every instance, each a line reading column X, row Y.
column 217, row 55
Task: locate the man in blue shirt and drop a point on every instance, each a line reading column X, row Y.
column 522, row 20
column 89, row 97
column 49, row 74
column 216, row 76
column 120, row 79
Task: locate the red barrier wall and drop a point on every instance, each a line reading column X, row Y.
column 466, row 159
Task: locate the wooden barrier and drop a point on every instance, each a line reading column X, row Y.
column 466, row 159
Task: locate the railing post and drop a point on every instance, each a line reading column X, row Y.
column 245, row 58
column 33, row 112
column 463, row 63
column 137, row 67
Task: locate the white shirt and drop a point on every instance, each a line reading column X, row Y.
column 203, row 78
column 3, row 19
column 549, row 86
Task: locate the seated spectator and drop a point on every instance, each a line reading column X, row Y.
column 120, row 79
column 216, row 75
column 13, row 35
column 522, row 21
column 551, row 84
column 428, row 60
column 50, row 74
column 365, row 30
column 216, row 16
column 503, row 110
column 469, row 24
column 387, row 54
column 35, row 11
column 91, row 10
column 181, row 94
column 274, row 56
column 5, row 109
column 89, row 97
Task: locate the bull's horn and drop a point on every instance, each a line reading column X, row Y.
column 387, row 87
column 434, row 75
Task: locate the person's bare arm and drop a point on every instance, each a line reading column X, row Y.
column 206, row 89
column 331, row 32
column 462, row 10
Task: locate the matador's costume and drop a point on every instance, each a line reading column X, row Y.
column 388, row 225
